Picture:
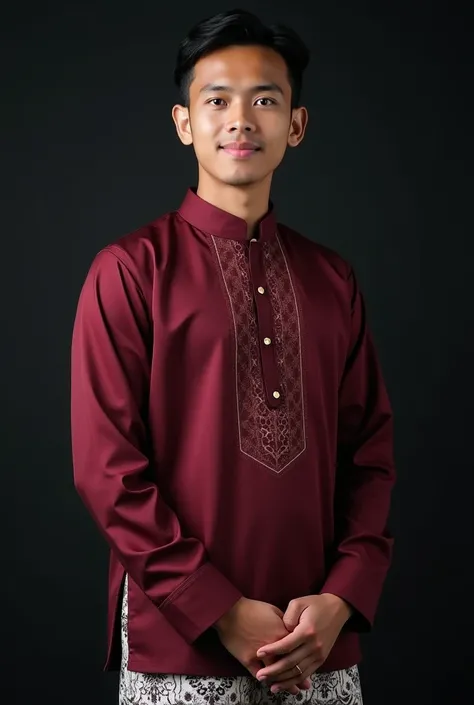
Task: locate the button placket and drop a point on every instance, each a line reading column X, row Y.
column 270, row 372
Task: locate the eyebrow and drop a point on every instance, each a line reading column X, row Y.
column 266, row 87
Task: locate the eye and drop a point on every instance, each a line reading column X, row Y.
column 269, row 101
column 217, row 102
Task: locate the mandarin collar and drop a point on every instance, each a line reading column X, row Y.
column 205, row 216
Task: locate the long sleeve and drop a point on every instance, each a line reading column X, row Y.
column 365, row 475
column 110, row 377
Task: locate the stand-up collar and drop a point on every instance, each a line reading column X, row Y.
column 213, row 220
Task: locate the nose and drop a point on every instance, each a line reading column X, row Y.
column 240, row 120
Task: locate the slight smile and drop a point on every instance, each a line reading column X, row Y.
column 242, row 150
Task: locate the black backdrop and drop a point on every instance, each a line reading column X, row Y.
column 90, row 153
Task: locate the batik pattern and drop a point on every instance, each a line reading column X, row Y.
column 331, row 688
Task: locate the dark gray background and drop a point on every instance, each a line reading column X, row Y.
column 383, row 177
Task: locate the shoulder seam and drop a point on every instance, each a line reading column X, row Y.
column 126, row 261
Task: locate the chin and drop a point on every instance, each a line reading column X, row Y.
column 241, row 179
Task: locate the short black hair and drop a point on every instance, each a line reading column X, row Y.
column 239, row 27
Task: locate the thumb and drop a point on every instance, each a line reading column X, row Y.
column 293, row 613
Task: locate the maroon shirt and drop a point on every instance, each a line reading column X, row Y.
column 231, row 432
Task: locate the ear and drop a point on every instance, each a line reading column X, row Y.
column 299, row 121
column 182, row 123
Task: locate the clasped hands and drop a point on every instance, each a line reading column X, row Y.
column 303, row 636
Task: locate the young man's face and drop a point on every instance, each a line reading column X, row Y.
column 240, row 96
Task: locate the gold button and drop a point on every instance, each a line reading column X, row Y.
column 276, row 395
column 267, row 341
column 261, row 290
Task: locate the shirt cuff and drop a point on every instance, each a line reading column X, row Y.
column 344, row 581
column 199, row 602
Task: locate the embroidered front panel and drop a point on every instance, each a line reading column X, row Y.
column 273, row 437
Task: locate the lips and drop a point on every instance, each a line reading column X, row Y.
column 240, row 150
column 245, row 146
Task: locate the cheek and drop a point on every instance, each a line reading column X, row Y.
column 275, row 128
column 280, row 128
column 276, row 133
column 205, row 125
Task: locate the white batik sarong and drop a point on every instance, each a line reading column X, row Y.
column 331, row 688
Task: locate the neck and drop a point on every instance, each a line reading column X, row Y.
column 250, row 203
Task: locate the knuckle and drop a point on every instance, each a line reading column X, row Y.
column 318, row 649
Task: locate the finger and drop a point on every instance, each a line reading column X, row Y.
column 283, row 646
column 305, row 685
column 271, row 659
column 293, row 614
column 293, row 690
column 284, row 664
column 284, row 685
column 255, row 665
column 268, row 660
column 294, row 673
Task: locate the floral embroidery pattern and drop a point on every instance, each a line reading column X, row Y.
column 273, row 437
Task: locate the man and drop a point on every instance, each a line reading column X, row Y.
column 232, row 435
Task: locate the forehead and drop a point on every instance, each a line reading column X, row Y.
column 241, row 66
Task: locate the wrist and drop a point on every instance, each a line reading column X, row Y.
column 229, row 617
column 343, row 609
